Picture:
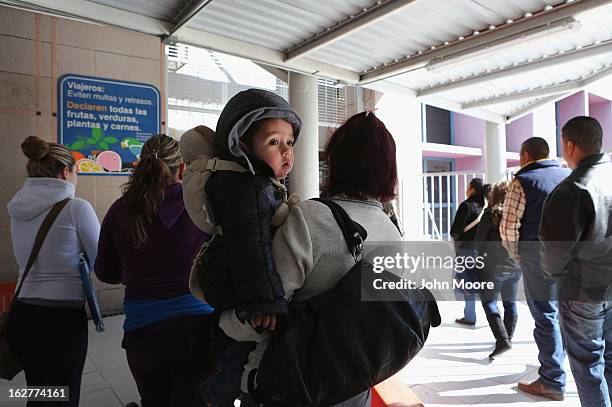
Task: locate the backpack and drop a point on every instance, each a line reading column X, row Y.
column 337, row 345
column 197, row 147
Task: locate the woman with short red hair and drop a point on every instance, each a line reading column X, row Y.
column 309, row 248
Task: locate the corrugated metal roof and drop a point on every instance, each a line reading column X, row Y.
column 281, row 25
column 274, row 29
column 164, row 10
column 275, row 24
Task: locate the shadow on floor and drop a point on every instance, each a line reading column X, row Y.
column 483, row 383
column 442, row 352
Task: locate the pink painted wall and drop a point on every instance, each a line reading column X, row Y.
column 518, row 131
column 469, row 131
column 572, row 106
column 602, row 111
column 470, row 164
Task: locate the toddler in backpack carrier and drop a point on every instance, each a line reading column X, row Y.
column 232, row 189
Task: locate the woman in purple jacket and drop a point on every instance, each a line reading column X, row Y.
column 148, row 242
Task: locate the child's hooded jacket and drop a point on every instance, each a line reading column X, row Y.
column 237, row 269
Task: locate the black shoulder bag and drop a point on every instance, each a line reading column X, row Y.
column 335, row 346
column 9, row 364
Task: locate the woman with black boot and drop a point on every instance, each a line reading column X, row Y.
column 500, row 269
column 463, row 232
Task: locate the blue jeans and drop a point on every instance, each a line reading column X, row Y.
column 507, row 288
column 469, row 309
column 541, row 295
column 223, row 387
column 587, row 332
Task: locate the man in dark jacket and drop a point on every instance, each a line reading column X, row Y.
column 519, row 227
column 576, row 234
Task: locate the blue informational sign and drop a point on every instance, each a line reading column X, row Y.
column 105, row 122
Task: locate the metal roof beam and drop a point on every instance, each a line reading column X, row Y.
column 448, row 104
column 542, row 92
column 442, row 103
column 602, row 77
column 528, row 109
column 280, row 73
column 92, row 12
column 340, row 30
column 512, row 97
column 267, row 56
column 188, row 13
column 571, row 56
column 489, row 37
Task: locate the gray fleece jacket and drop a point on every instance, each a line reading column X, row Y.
column 55, row 275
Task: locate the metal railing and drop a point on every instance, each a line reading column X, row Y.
column 442, row 193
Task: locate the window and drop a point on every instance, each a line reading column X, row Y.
column 437, row 125
column 438, row 197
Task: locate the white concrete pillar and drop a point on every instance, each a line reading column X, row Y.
column 495, row 152
column 402, row 117
column 545, row 126
column 303, row 97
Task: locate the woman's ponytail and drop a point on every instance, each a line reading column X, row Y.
column 145, row 190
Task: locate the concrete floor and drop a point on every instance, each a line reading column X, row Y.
column 452, row 369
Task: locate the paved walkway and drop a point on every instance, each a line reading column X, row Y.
column 452, row 369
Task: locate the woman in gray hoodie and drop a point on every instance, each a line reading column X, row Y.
column 47, row 326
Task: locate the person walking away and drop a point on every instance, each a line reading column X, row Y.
column 463, row 232
column 576, row 235
column 148, row 243
column 47, row 327
column 519, row 227
column 500, row 269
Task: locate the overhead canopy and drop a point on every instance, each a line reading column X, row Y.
column 493, row 59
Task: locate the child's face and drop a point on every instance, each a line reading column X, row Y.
column 273, row 144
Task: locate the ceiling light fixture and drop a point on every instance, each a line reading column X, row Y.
column 487, row 50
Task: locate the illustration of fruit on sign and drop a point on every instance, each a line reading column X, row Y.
column 109, row 160
column 86, row 165
column 77, row 155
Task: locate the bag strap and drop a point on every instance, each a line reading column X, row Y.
column 38, row 242
column 475, row 221
column 354, row 234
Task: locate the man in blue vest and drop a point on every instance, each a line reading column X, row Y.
column 519, row 229
column 576, row 235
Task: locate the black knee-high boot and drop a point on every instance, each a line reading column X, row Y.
column 502, row 344
column 510, row 324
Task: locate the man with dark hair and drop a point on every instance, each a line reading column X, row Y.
column 536, row 148
column 519, row 227
column 576, row 234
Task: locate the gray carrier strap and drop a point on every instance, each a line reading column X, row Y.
column 216, row 164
